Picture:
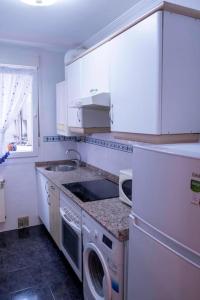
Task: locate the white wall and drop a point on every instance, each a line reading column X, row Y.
column 19, row 173
column 104, row 158
column 132, row 14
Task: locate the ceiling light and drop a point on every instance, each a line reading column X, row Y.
column 39, row 2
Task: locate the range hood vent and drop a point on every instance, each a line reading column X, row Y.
column 100, row 101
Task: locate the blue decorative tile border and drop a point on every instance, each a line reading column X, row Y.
column 89, row 140
column 58, row 138
column 106, row 143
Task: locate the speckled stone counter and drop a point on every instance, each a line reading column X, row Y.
column 112, row 214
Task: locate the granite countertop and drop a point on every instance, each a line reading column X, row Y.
column 112, row 214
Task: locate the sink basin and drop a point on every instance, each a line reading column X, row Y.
column 70, row 166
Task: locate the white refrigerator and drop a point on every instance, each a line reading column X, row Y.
column 164, row 241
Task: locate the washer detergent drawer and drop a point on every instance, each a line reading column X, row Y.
column 157, row 271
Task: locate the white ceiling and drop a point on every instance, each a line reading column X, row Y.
column 64, row 25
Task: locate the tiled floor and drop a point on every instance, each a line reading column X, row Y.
column 32, row 268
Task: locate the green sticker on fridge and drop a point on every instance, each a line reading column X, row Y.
column 195, row 186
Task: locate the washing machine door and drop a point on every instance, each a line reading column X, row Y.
column 96, row 273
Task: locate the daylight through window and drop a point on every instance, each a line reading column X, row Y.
column 16, row 109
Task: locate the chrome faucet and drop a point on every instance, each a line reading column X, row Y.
column 78, row 161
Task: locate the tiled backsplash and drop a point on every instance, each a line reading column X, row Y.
column 90, row 140
column 108, row 144
column 102, row 151
column 59, row 138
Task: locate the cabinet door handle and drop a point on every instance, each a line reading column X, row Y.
column 78, row 116
column 111, row 114
column 46, row 189
column 93, row 90
column 48, row 200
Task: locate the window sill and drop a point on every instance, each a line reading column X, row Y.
column 22, row 154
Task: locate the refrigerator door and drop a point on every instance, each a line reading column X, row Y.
column 166, row 194
column 157, row 270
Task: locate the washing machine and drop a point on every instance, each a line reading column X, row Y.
column 103, row 262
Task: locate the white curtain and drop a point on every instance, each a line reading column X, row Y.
column 15, row 87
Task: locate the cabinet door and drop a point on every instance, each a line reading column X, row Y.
column 54, row 213
column 181, row 74
column 43, row 200
column 158, row 271
column 75, row 117
column 61, row 108
column 95, row 71
column 88, row 118
column 135, row 77
column 73, row 77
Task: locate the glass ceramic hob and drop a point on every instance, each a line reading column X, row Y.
column 94, row 190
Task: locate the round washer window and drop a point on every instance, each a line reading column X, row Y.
column 96, row 272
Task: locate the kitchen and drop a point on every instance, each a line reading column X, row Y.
column 71, row 143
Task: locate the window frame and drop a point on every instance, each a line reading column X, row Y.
column 35, row 113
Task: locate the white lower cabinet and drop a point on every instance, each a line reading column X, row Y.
column 54, row 213
column 43, row 200
column 49, row 206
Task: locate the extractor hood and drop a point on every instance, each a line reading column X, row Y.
column 101, row 100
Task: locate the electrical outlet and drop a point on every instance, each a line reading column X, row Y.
column 23, row 222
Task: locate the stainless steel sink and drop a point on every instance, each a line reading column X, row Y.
column 70, row 166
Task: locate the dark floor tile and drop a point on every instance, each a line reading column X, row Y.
column 29, row 262
column 20, row 280
column 3, row 243
column 11, row 262
column 4, row 288
column 5, row 297
column 76, row 294
column 42, row 293
column 66, row 291
column 38, row 275
column 69, row 287
column 54, row 272
column 60, row 291
column 38, row 232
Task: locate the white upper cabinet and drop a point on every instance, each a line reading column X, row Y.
column 181, row 74
column 88, row 76
column 135, row 77
column 95, row 71
column 155, row 71
column 73, row 73
column 62, row 109
column 88, row 118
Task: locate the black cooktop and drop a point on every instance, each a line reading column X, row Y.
column 94, row 190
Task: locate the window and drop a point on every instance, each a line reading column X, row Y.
column 18, row 111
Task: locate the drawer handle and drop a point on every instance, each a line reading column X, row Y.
column 78, row 115
column 93, row 90
column 111, row 114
